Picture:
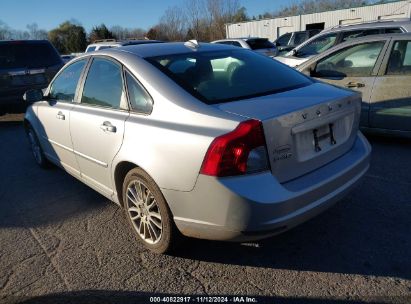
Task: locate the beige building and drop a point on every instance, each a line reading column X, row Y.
column 273, row 28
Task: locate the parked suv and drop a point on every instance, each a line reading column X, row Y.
column 259, row 45
column 288, row 41
column 24, row 65
column 112, row 43
column 335, row 35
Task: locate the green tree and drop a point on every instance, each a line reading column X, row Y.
column 68, row 38
column 101, row 32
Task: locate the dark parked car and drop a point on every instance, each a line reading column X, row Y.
column 24, row 65
column 288, row 41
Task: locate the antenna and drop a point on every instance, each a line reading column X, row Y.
column 193, row 44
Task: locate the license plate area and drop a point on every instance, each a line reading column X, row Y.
column 324, row 135
column 322, row 138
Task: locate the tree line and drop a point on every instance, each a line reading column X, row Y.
column 203, row 20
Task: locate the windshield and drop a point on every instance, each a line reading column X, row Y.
column 222, row 76
column 27, row 55
column 317, row 46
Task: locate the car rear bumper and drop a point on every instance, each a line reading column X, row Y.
column 257, row 206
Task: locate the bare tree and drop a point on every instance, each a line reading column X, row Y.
column 123, row 33
column 173, row 24
column 196, row 19
column 5, row 31
column 221, row 12
column 35, row 33
column 203, row 20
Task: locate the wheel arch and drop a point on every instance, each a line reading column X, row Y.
column 120, row 172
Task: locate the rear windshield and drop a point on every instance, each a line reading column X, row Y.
column 222, row 76
column 28, row 55
column 256, row 44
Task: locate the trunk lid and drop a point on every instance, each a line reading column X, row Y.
column 304, row 128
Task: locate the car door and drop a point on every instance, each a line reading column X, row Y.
column 54, row 116
column 391, row 97
column 354, row 67
column 97, row 122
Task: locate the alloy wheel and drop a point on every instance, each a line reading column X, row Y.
column 144, row 212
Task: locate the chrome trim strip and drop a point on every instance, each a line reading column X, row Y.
column 103, row 164
column 59, row 145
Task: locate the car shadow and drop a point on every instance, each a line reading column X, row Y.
column 30, row 196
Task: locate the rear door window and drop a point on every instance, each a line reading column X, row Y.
column 28, row 55
column 90, row 49
column 393, row 30
column 104, row 85
column 359, row 33
column 236, row 43
column 139, row 99
column 257, row 44
column 64, row 86
column 400, row 59
column 358, row 60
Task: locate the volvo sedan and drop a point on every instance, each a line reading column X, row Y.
column 189, row 149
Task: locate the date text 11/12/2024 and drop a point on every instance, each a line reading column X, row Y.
column 203, row 299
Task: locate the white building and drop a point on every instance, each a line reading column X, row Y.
column 273, row 28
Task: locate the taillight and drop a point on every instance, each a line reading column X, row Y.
column 239, row 152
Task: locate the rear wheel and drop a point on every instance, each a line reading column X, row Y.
column 36, row 149
column 148, row 213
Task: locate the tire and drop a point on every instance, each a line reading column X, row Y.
column 36, row 149
column 148, row 213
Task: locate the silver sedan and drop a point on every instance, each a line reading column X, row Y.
column 189, row 148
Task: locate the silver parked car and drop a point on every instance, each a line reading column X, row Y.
column 259, row 45
column 379, row 67
column 222, row 154
column 339, row 34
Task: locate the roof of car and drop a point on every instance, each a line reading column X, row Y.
column 24, row 41
column 160, row 49
column 372, row 24
column 376, row 37
column 238, row 39
column 124, row 42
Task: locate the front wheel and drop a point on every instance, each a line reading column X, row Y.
column 148, row 213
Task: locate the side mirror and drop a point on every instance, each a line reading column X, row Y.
column 309, row 71
column 33, row 95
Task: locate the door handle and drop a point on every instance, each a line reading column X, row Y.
column 60, row 115
column 353, row 84
column 108, row 127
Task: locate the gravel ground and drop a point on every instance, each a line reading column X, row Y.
column 61, row 242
